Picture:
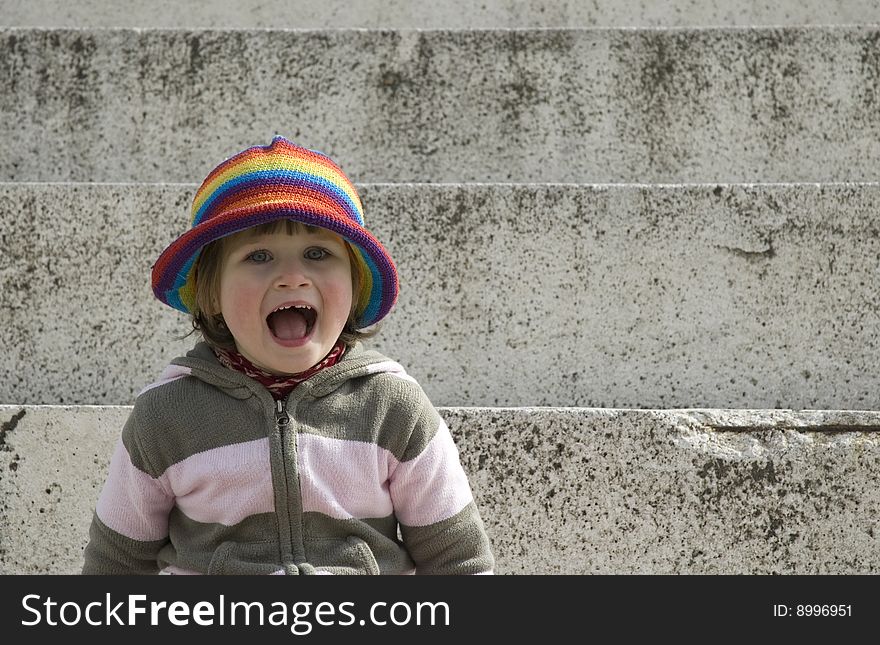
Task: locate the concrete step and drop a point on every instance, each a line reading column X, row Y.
column 622, row 105
column 605, row 296
column 566, row 490
column 448, row 14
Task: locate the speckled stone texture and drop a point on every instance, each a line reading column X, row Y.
column 571, row 491
column 643, row 106
column 449, row 14
column 601, row 296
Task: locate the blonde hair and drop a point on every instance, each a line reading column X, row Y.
column 206, row 316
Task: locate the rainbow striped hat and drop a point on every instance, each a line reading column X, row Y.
column 267, row 183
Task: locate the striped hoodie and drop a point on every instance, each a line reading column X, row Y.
column 355, row 472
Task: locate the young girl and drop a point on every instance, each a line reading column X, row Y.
column 280, row 445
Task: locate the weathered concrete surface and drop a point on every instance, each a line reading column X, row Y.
column 642, row 106
column 568, row 491
column 448, row 14
column 602, row 296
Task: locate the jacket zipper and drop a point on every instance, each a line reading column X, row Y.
column 282, row 425
column 282, row 420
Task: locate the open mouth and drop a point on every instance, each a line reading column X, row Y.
column 292, row 322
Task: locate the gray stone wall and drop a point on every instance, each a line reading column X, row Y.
column 594, row 206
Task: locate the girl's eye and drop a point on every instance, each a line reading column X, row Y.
column 259, row 257
column 316, row 253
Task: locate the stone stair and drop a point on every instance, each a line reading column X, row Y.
column 660, row 225
column 723, row 296
column 562, row 490
column 770, row 104
column 449, row 14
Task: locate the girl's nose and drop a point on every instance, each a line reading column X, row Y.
column 291, row 274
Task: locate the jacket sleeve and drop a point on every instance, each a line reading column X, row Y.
column 439, row 521
column 130, row 524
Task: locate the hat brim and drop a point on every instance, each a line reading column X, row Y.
column 172, row 275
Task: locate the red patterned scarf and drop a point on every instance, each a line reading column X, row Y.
column 279, row 385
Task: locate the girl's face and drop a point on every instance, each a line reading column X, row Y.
column 285, row 297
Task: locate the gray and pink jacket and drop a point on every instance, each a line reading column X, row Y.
column 355, row 472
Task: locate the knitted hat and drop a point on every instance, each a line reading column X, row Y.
column 275, row 182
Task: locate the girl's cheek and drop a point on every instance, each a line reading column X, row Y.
column 236, row 294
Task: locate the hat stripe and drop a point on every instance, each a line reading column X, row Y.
column 375, row 291
column 177, row 295
column 293, row 180
column 281, row 156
